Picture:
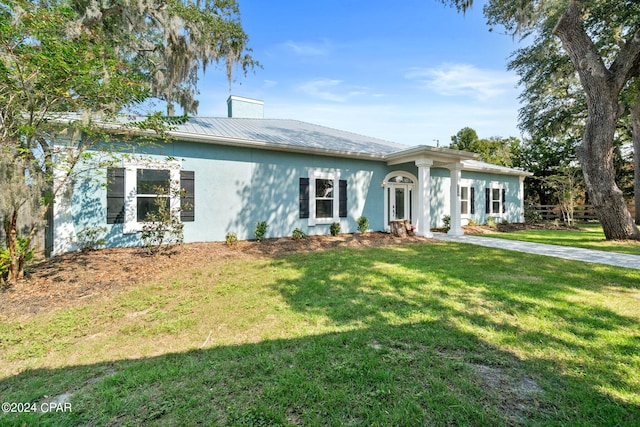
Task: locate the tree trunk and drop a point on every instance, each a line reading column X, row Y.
column 596, row 156
column 635, row 135
column 602, row 88
column 11, row 230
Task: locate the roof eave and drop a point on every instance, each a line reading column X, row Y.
column 266, row 145
column 437, row 154
column 501, row 171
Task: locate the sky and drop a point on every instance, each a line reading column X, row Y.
column 413, row 72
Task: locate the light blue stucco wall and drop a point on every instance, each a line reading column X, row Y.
column 237, row 187
column 440, row 186
column 234, row 189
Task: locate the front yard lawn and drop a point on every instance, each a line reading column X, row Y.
column 588, row 236
column 415, row 334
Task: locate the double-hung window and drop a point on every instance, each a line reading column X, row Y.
column 323, row 198
column 139, row 190
column 153, row 190
column 495, row 203
column 467, row 198
column 464, row 200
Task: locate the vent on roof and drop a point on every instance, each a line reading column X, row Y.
column 245, row 108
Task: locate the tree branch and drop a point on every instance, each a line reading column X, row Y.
column 581, row 49
column 627, row 64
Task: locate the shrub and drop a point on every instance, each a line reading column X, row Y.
column 531, row 213
column 335, row 228
column 261, row 230
column 472, row 223
column 298, row 234
column 5, row 262
column 24, row 254
column 491, row 222
column 446, row 219
column 90, row 238
column 162, row 227
column 231, row 239
column 363, row 224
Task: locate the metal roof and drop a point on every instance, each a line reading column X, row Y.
column 476, row 165
column 297, row 136
column 287, row 134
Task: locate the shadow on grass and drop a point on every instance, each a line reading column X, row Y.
column 439, row 334
column 424, row 373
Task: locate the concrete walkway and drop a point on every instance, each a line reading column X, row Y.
column 566, row 252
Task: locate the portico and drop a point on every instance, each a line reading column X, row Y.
column 418, row 189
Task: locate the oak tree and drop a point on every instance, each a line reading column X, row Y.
column 585, row 30
column 98, row 59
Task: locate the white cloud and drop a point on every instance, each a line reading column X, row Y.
column 331, row 90
column 464, row 79
column 307, row 49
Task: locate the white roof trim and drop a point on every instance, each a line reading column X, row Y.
column 249, row 100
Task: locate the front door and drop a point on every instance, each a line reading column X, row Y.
column 399, row 208
column 399, row 197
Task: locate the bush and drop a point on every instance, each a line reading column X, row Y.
column 162, row 227
column 491, row 222
column 363, row 224
column 90, row 238
column 298, row 234
column 5, row 262
column 231, row 239
column 472, row 223
column 24, row 254
column 531, row 213
column 446, row 219
column 335, row 228
column 261, row 230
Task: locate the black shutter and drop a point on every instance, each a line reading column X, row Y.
column 472, row 202
column 304, row 197
column 504, row 200
column 115, row 195
column 342, row 207
column 188, row 201
column 487, row 201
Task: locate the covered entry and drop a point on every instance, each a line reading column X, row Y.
column 399, row 200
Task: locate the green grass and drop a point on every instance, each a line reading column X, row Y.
column 588, row 236
column 414, row 335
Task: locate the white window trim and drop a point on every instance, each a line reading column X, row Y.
column 335, row 177
column 469, row 184
column 495, row 186
column 131, row 166
column 413, row 188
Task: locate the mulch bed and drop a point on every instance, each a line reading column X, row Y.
column 71, row 279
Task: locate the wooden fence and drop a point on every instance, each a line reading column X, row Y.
column 580, row 212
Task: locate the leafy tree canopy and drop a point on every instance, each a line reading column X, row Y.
column 495, row 150
column 97, row 59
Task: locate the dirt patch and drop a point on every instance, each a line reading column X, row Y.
column 517, row 395
column 71, row 279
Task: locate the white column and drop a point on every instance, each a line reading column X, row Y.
column 456, row 222
column 521, row 197
column 423, row 217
